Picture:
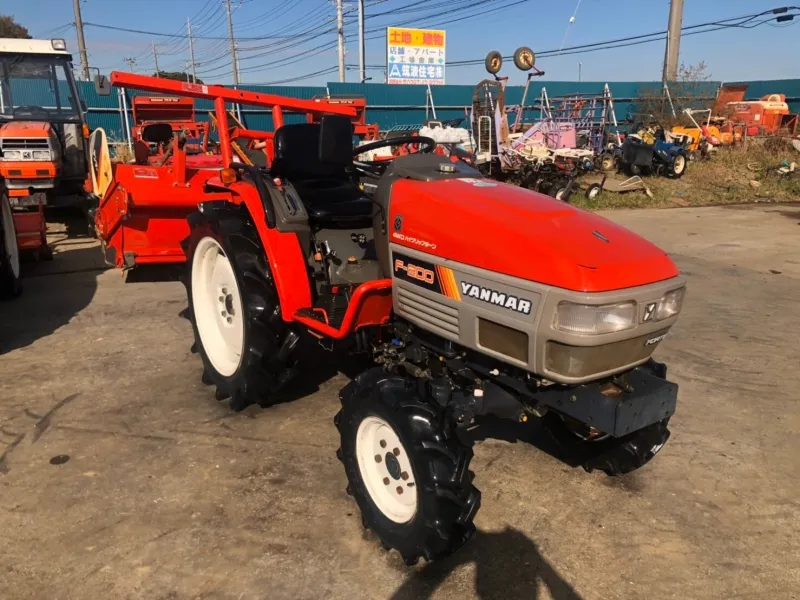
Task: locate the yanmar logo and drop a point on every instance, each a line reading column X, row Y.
column 500, row 299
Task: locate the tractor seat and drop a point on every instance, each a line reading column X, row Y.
column 327, row 191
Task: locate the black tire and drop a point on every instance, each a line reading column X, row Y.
column 493, row 62
column 562, row 192
column 608, row 162
column 266, row 362
column 446, row 501
column 524, row 58
column 593, row 191
column 10, row 286
column 634, row 170
column 613, row 456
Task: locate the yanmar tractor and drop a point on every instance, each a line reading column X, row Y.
column 473, row 297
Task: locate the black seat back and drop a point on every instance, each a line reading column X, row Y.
column 297, row 154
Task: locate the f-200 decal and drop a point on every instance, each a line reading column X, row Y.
column 435, row 278
column 501, row 299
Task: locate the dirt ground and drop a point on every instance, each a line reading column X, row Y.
column 122, row 477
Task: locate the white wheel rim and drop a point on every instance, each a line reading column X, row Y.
column 680, row 164
column 386, row 470
column 593, row 193
column 560, row 194
column 217, row 306
column 10, row 236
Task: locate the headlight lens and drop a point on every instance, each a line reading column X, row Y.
column 587, row 319
column 12, row 155
column 41, row 155
column 670, row 304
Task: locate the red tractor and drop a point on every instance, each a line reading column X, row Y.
column 473, row 297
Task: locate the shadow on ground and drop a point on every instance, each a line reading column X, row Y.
column 52, row 294
column 508, row 564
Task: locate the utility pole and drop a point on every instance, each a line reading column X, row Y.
column 362, row 67
column 340, row 35
column 673, row 41
column 131, row 62
column 76, row 5
column 580, row 68
column 155, row 59
column 191, row 50
column 234, row 62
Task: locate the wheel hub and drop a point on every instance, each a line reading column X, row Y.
column 217, row 303
column 393, row 466
column 385, row 468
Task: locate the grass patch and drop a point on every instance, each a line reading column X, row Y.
column 724, row 179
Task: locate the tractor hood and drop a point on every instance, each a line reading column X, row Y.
column 520, row 233
column 24, row 129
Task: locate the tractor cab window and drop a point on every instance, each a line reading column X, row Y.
column 37, row 87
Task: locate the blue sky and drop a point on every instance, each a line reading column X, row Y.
column 765, row 52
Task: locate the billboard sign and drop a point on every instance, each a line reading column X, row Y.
column 415, row 56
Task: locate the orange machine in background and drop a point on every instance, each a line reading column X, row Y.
column 769, row 115
column 177, row 112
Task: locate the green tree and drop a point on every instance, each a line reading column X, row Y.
column 9, row 28
column 176, row 75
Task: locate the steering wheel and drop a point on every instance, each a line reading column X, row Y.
column 426, row 146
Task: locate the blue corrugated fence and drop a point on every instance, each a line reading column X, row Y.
column 390, row 105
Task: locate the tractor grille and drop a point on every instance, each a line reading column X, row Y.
column 583, row 361
column 436, row 316
column 24, row 144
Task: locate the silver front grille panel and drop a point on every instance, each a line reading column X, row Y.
column 434, row 315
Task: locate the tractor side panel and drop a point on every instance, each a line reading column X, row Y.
column 284, row 254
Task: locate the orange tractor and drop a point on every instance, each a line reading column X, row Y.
column 43, row 157
column 473, row 298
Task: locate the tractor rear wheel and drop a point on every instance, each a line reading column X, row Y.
column 245, row 345
column 9, row 252
column 406, row 467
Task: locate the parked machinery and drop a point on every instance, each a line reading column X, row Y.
column 423, row 271
column 43, row 155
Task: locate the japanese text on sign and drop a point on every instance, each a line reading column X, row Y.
column 415, row 56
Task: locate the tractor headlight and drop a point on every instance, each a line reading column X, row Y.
column 590, row 319
column 12, row 155
column 41, row 155
column 670, row 304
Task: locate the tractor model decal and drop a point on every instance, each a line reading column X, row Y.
column 435, row 278
column 484, row 294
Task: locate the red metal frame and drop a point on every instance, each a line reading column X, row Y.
column 141, row 218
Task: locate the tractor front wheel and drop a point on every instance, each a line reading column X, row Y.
column 9, row 252
column 242, row 340
column 406, row 467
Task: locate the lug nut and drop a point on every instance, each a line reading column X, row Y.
column 222, row 298
column 230, row 320
column 383, row 443
column 399, row 490
column 378, row 458
column 385, row 481
column 404, row 476
column 396, row 451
